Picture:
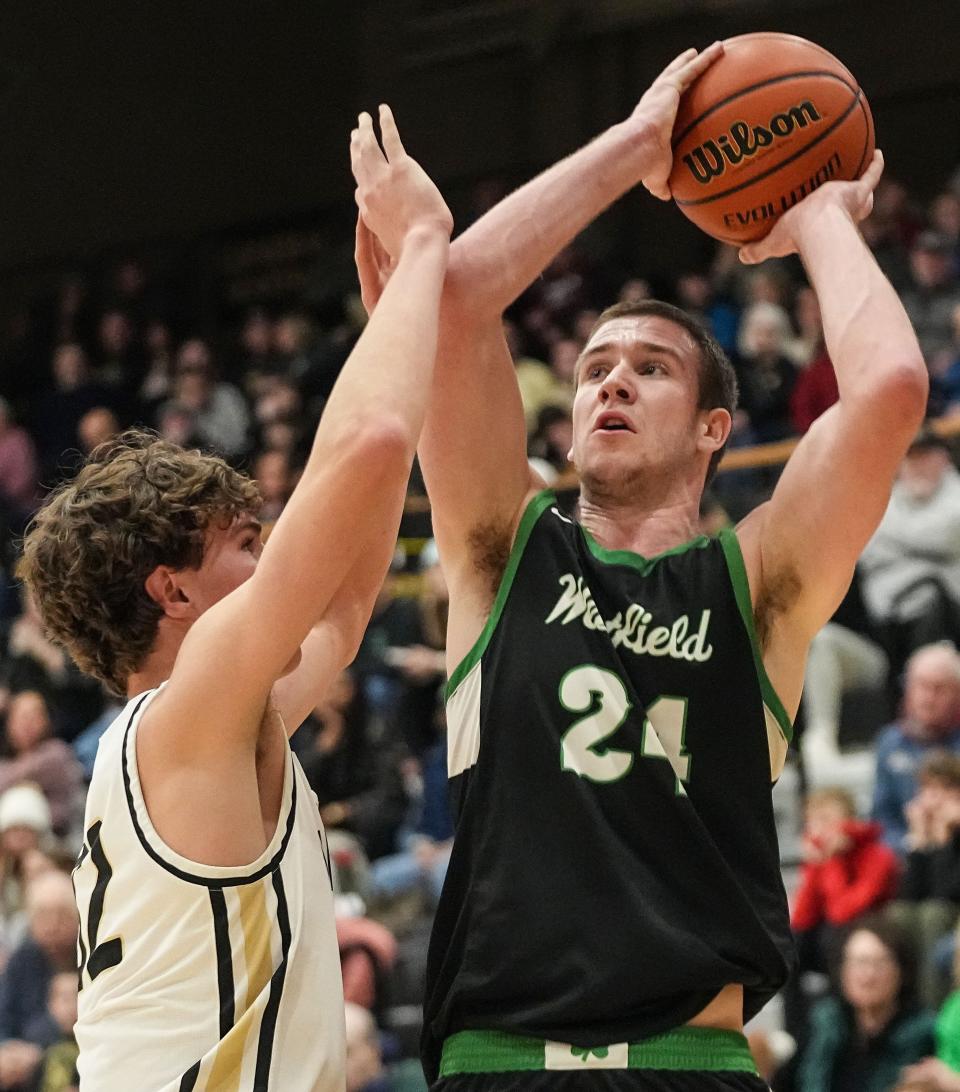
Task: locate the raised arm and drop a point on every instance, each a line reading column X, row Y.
column 803, row 544
column 473, row 448
column 342, row 519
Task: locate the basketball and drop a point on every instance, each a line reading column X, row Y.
column 771, row 121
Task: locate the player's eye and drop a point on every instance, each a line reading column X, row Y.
column 594, row 371
column 249, row 543
column 652, row 367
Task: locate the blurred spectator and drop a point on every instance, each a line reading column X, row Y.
column 537, row 383
column 564, row 355
column 765, row 373
column 357, row 782
column 911, row 566
column 941, row 1073
column 366, row 1071
column 807, row 343
column 119, row 363
column 847, row 869
column 177, row 424
column 31, row 661
column 814, row 392
column 49, row 763
column 932, row 295
column 368, row 951
column 59, row 411
column 929, row 899
column 220, row 416
column 50, row 948
column 843, row 657
column 273, row 476
column 96, row 427
column 53, row 1033
column 945, row 390
column 930, row 723
column 863, row 1036
column 25, row 828
column 158, row 370
column 696, row 295
column 553, row 439
column 257, row 358
column 18, row 466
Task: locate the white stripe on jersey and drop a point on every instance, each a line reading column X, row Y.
column 194, row 977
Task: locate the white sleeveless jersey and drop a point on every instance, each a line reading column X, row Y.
column 196, row 978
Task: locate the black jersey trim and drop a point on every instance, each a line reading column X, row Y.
column 268, row 1023
column 191, row 877
column 637, row 561
column 221, row 935
column 741, row 589
column 534, row 510
column 189, row 1080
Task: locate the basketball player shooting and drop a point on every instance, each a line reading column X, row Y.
column 622, row 688
column 207, row 942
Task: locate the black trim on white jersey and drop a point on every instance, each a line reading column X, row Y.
column 268, row 1022
column 221, row 933
column 190, row 877
column 189, row 1080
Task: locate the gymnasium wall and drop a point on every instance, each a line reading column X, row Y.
column 136, row 122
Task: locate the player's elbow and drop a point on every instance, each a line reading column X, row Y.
column 382, row 439
column 905, row 387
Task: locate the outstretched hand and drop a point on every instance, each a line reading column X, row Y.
column 394, row 193
column 658, row 109
column 855, row 198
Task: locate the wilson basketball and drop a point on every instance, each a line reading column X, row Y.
column 771, row 121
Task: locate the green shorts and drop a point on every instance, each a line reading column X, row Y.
column 684, row 1060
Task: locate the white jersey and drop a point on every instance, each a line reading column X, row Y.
column 199, row 978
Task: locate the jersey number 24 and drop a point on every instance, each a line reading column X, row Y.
column 602, row 696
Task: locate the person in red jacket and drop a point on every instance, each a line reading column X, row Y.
column 848, row 871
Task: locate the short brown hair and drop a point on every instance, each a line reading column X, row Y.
column 942, row 767
column 718, row 388
column 832, row 794
column 137, row 502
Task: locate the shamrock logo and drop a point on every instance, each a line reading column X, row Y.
column 583, row 1053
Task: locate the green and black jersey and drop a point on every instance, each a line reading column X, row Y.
column 612, row 741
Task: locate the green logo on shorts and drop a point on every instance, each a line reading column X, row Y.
column 584, row 1053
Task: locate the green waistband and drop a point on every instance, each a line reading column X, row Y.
column 703, row 1049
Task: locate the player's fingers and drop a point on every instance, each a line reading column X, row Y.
column 659, row 190
column 871, row 176
column 696, row 66
column 392, row 143
column 679, row 61
column 369, row 156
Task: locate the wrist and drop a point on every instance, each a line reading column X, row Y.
column 815, row 222
column 427, row 233
column 637, row 140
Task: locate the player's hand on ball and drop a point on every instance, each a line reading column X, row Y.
column 658, row 109
column 856, row 198
column 394, row 193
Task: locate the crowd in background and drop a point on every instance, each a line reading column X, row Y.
column 875, row 879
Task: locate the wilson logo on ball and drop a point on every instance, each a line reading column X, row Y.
column 709, row 160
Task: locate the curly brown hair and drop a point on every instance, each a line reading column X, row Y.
column 137, row 502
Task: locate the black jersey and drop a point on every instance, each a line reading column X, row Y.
column 612, row 743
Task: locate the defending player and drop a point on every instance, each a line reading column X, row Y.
column 622, row 689
column 207, row 943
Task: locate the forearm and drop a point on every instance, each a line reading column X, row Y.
column 867, row 333
column 507, row 248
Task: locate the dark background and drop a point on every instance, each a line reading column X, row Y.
column 187, row 128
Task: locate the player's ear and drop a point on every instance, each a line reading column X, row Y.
column 164, row 588
column 715, row 428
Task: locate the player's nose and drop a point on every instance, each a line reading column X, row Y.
column 617, row 386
